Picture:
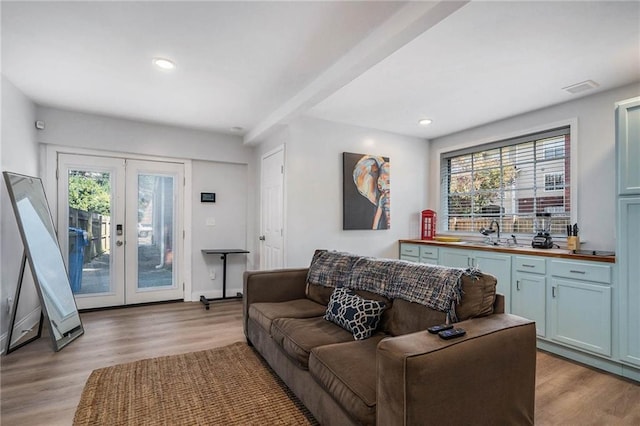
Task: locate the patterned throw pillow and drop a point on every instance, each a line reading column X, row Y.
column 353, row 313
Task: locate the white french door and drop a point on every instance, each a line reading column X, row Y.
column 124, row 223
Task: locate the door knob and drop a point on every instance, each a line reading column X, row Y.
column 119, row 243
column 262, row 238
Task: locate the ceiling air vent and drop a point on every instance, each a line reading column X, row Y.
column 581, row 87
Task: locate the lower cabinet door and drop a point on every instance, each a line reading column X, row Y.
column 409, row 251
column 581, row 315
column 498, row 265
column 455, row 258
column 429, row 255
column 529, row 299
column 628, row 258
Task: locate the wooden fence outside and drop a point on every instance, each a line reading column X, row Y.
column 518, row 225
column 98, row 229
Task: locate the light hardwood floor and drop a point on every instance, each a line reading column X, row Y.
column 40, row 387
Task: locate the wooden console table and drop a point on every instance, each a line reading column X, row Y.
column 223, row 255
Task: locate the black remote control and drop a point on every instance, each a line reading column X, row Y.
column 452, row 333
column 438, row 328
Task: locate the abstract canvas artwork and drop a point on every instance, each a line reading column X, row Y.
column 366, row 191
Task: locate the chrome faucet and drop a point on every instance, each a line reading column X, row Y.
column 497, row 226
column 490, row 230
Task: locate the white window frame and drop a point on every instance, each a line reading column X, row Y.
column 457, row 143
column 556, row 186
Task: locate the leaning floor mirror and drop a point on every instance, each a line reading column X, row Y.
column 41, row 249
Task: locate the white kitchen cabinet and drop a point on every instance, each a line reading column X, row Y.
column 419, row 253
column 496, row 264
column 529, row 290
column 429, row 254
column 580, row 305
column 628, row 229
column 628, row 146
column 410, row 252
column 629, row 275
column 456, row 258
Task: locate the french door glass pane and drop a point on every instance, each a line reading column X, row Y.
column 155, row 231
column 89, row 231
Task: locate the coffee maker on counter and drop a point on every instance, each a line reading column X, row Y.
column 542, row 229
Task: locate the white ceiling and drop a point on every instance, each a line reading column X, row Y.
column 257, row 65
column 491, row 60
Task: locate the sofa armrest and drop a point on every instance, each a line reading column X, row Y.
column 277, row 285
column 484, row 377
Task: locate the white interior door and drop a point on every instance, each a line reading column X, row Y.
column 271, row 210
column 124, row 224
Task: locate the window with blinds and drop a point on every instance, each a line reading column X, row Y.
column 509, row 181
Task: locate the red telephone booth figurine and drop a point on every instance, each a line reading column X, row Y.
column 428, row 225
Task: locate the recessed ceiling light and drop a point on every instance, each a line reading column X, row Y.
column 425, row 121
column 164, row 63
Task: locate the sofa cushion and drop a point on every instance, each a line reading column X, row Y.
column 478, row 296
column 319, row 293
column 265, row 313
column 298, row 336
column 348, row 372
column 409, row 317
column 356, row 314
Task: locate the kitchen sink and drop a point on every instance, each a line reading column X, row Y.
column 595, row 252
column 488, row 244
column 503, row 244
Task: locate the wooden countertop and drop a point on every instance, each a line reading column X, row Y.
column 530, row 251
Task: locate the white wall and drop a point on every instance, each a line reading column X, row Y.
column 596, row 156
column 221, row 164
column 313, row 188
column 230, row 183
column 81, row 130
column 19, row 154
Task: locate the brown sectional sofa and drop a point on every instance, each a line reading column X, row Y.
column 401, row 375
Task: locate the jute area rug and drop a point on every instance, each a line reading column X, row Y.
column 231, row 385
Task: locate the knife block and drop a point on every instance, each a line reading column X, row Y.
column 573, row 243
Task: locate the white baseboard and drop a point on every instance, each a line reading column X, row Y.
column 21, row 327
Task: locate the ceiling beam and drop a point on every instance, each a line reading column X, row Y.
column 406, row 24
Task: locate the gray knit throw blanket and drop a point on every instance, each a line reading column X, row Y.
column 437, row 287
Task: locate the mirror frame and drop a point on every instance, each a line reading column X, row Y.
column 38, row 266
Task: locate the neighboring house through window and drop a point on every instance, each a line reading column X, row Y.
column 553, row 181
column 508, row 181
column 554, row 149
